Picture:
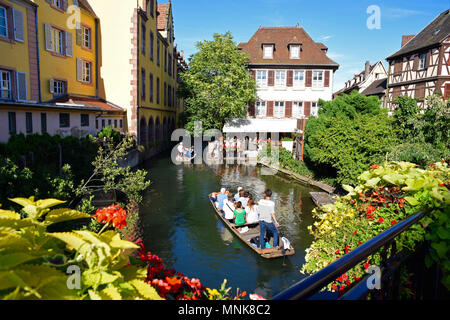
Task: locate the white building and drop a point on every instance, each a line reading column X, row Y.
column 292, row 73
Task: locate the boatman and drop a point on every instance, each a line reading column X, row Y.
column 267, row 219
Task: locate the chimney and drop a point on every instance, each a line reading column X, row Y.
column 406, row 38
column 367, row 69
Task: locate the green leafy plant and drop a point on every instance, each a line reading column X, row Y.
column 384, row 196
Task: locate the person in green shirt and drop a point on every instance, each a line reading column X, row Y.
column 239, row 214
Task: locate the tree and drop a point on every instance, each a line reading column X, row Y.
column 351, row 133
column 217, row 85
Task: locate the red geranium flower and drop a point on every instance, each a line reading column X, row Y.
column 366, row 265
column 381, row 220
column 374, row 166
column 393, row 222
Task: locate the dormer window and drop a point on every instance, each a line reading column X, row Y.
column 268, row 51
column 294, row 51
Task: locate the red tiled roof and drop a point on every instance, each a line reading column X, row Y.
column 162, row 16
column 311, row 53
column 89, row 102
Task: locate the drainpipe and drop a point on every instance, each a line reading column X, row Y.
column 37, row 52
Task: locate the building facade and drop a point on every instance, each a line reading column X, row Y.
column 292, row 73
column 49, row 70
column 422, row 66
column 139, row 67
column 372, row 81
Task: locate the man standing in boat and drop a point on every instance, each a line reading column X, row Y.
column 267, row 219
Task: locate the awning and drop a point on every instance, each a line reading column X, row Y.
column 263, row 125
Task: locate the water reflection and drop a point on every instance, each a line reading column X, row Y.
column 180, row 225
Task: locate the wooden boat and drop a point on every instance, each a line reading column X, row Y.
column 253, row 231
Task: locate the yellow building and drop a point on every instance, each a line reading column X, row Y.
column 139, row 66
column 49, row 67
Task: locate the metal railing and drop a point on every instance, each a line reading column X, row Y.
column 311, row 285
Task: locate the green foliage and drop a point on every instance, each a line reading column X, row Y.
column 217, row 85
column 347, row 137
column 34, row 262
column 384, row 196
column 109, row 133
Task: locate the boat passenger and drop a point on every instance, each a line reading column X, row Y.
column 267, row 219
column 228, row 208
column 252, row 211
column 239, row 214
column 244, row 199
column 221, row 197
column 237, row 195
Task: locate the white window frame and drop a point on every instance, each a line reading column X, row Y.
column 268, row 54
column 59, row 87
column 58, row 34
column 291, row 52
column 317, row 81
column 5, row 85
column 86, row 39
column 298, row 78
column 2, row 8
column 279, row 109
column 86, row 72
column 298, row 109
column 422, row 61
column 280, row 78
column 260, row 109
column 261, row 78
column 314, row 109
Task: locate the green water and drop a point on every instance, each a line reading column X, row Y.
column 180, row 226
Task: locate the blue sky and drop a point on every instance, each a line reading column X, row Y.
column 340, row 24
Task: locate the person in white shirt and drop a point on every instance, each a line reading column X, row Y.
column 238, row 194
column 252, row 211
column 267, row 219
column 244, row 199
column 228, row 208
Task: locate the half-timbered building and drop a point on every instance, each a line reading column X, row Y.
column 422, row 66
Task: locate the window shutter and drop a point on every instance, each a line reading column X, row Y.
column 447, row 91
column 327, row 78
column 270, row 108
column 290, row 78
column 253, row 73
column 307, row 109
column 428, row 60
column 251, row 109
column 416, row 62
column 79, row 69
column 51, row 85
column 48, row 37
column 79, row 32
column 48, row 1
column 21, row 86
column 288, row 110
column 270, row 78
column 75, row 2
column 69, row 44
column 19, row 34
column 308, row 80
column 64, row 4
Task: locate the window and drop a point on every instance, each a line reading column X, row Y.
column 143, row 84
column 422, row 61
column 143, row 37
column 299, row 78
column 317, row 80
column 86, row 40
column 12, row 122
column 109, row 122
column 5, row 85
column 165, row 58
column 297, row 109
column 170, row 65
column 121, row 123
column 314, row 109
column 29, row 122
column 280, row 78
column 43, row 122
column 57, row 87
column 295, row 51
column 86, row 71
column 261, row 77
column 115, row 123
column 58, row 41
column 151, row 88
column 165, row 93
column 157, row 90
column 261, row 109
column 3, row 22
column 58, row 4
column 64, row 120
column 103, row 123
column 158, row 52
column 84, row 120
column 278, row 109
column 96, row 123
column 267, row 51
column 152, row 39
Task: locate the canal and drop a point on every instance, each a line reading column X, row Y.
column 180, row 226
